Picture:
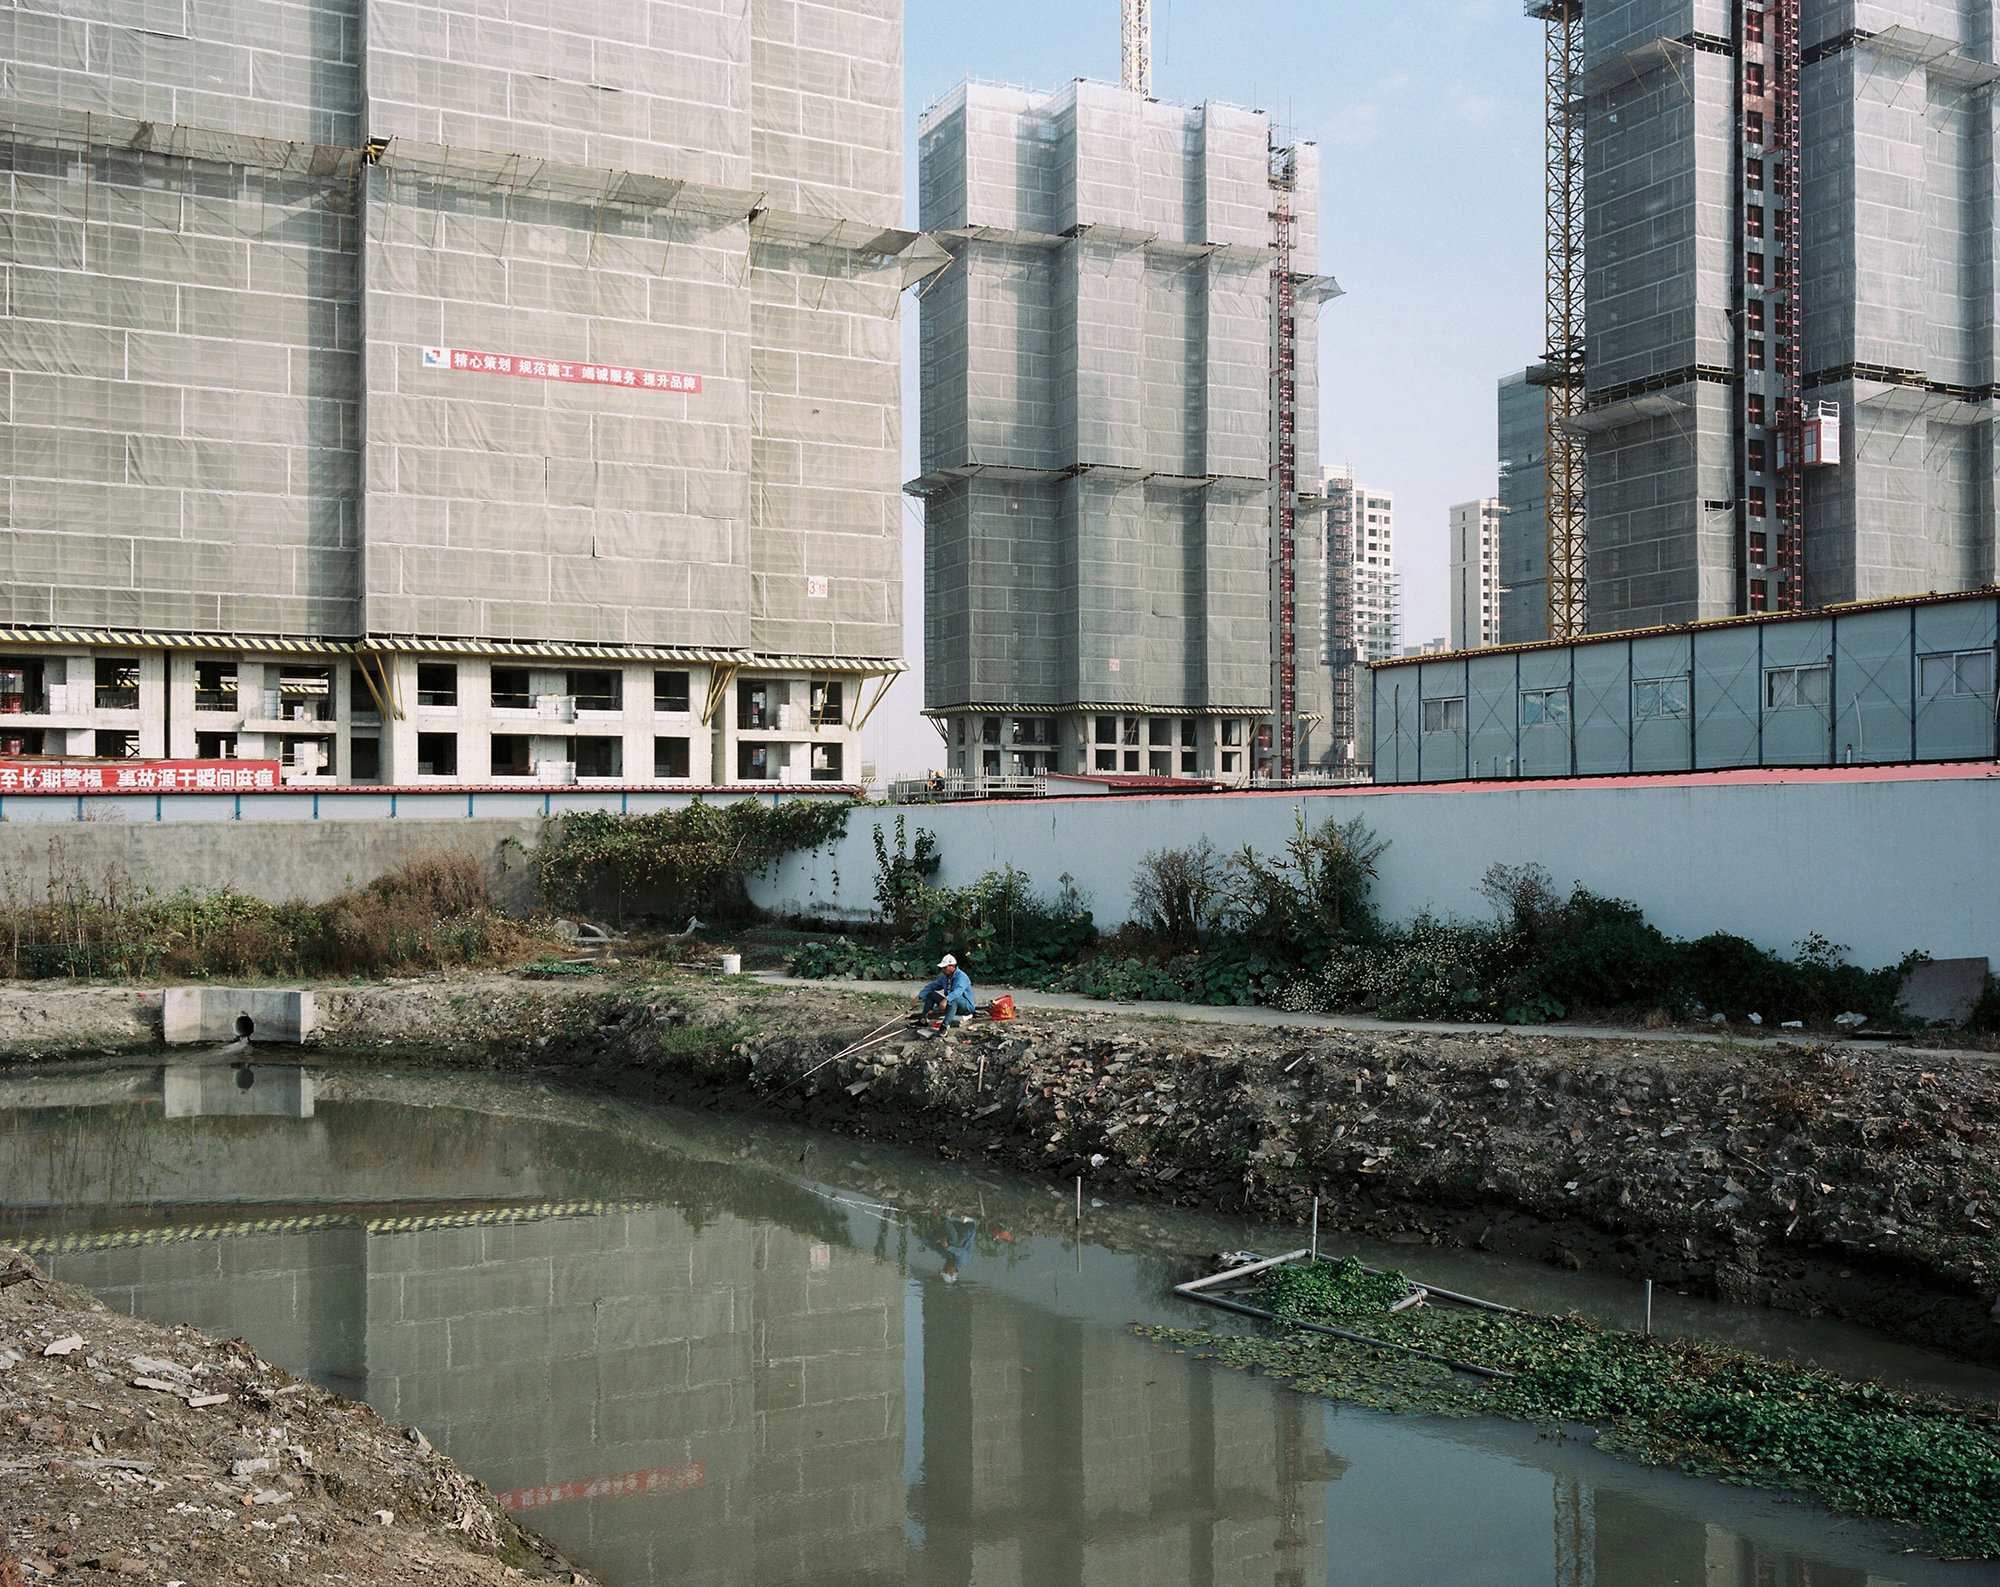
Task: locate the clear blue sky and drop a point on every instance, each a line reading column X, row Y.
column 1428, row 118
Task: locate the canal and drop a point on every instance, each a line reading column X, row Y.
column 697, row 1349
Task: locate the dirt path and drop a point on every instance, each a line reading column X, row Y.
column 157, row 1454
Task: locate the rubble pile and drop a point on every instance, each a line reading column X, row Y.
column 158, row 1454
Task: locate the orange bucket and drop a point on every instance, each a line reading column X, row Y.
column 1002, row 1007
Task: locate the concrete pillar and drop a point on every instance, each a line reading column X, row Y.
column 180, row 705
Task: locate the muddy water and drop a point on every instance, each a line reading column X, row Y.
column 692, row 1349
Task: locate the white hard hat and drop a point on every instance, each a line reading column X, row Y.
column 947, row 963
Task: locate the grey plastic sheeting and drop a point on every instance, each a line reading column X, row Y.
column 1097, row 403
column 222, row 417
column 1896, row 684
column 1897, row 236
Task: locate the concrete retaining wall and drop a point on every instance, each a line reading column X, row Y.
column 1885, row 861
column 278, row 860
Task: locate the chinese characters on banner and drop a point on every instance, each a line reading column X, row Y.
column 669, row 1479
column 469, row 362
column 142, row 776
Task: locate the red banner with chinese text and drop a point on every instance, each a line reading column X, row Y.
column 141, row 776
column 468, row 362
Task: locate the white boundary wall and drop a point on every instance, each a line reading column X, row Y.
column 1885, row 861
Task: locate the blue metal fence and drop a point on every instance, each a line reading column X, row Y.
column 1866, row 685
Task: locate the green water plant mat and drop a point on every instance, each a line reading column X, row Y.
column 1863, row 1449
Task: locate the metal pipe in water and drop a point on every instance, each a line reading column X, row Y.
column 1649, row 1308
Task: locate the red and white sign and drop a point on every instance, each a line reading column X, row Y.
column 464, row 360
column 141, row 776
column 669, row 1479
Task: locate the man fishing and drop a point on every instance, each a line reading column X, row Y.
column 951, row 992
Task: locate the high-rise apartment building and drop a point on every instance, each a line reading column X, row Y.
column 1524, row 511
column 457, row 393
column 1475, row 573
column 1119, row 375
column 1378, row 590
column 1790, row 237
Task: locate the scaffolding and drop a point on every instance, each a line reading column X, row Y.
column 1562, row 369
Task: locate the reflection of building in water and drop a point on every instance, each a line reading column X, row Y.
column 749, row 1375
column 1056, row 1450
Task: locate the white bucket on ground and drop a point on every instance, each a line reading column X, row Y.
column 732, row 964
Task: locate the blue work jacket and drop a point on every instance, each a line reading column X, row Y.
column 953, row 983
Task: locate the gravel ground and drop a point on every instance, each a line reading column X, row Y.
column 158, row 1454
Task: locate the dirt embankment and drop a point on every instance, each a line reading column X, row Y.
column 157, row 1454
column 1862, row 1185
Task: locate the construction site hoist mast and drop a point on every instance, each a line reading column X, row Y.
column 1562, row 363
column 1285, row 475
column 1769, row 350
column 1136, row 35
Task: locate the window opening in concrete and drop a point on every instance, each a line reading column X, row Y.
column 961, row 732
column 598, row 757
column 437, row 683
column 1754, row 355
column 513, row 689
column 1034, row 730
column 1755, row 452
column 1107, row 730
column 1759, row 596
column 215, row 685
column 1753, row 126
column 1160, row 763
column 989, row 762
column 827, row 706
column 1753, row 175
column 595, row 691
column 361, row 698
column 1756, row 405
column 1232, row 734
column 118, row 683
column 437, row 754
column 755, row 707
column 364, row 760
column 1445, row 716
column 1160, row 730
column 670, row 757
column 1107, row 760
column 1753, row 267
column 1955, row 672
column 989, row 730
column 1190, row 763
column 753, row 762
column 117, row 745
column 309, row 757
column 670, row 692
column 513, row 755
column 1232, row 762
column 1786, row 688
column 1758, row 500
column 305, row 694
column 1760, row 548
column 23, row 688
column 1188, row 733
column 1659, row 697
column 826, row 762
column 1128, row 733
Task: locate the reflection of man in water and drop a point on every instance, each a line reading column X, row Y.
column 951, row 1238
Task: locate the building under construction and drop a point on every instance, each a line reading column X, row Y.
column 462, row 393
column 1120, row 437
column 1771, row 325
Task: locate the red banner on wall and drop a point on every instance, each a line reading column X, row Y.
column 469, row 362
column 141, row 776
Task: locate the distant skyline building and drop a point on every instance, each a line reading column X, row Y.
column 1475, row 573
column 1378, row 589
column 1524, row 510
column 1104, row 412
